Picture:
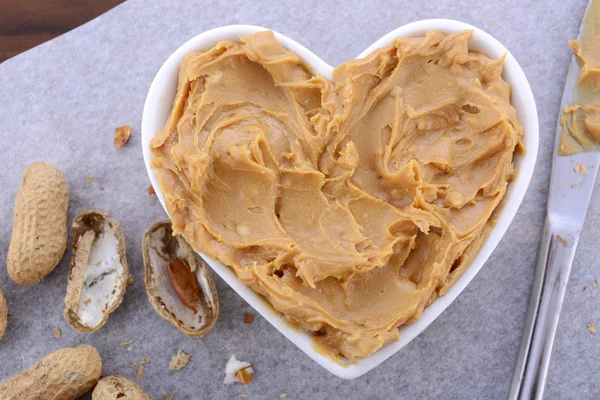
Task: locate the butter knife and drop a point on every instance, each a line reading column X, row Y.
column 569, row 195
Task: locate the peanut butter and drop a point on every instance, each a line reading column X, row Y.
column 580, row 121
column 349, row 205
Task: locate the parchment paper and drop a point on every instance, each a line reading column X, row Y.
column 61, row 101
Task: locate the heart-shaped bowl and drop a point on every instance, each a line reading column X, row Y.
column 158, row 106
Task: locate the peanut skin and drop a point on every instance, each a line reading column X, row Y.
column 39, row 235
column 3, row 314
column 116, row 387
column 63, row 375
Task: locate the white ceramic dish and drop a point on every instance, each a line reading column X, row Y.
column 158, row 106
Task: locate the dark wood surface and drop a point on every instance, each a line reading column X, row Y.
column 27, row 23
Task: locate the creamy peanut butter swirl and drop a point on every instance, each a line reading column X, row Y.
column 349, row 205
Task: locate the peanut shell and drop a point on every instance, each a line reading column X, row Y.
column 3, row 315
column 98, row 273
column 116, row 387
column 39, row 235
column 159, row 248
column 63, row 375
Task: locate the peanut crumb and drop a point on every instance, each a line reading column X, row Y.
column 543, row 190
column 283, row 395
column 574, row 185
column 127, row 343
column 102, row 188
column 151, row 190
column 584, row 288
column 87, row 301
column 90, row 178
column 592, row 266
column 238, row 371
column 562, row 240
column 122, row 134
column 244, row 375
column 494, row 23
column 595, row 282
column 580, row 169
column 57, row 333
column 179, row 361
column 170, row 397
column 139, row 371
column 592, row 328
column 249, row 318
column 243, row 394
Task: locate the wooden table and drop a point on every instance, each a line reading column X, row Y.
column 27, row 23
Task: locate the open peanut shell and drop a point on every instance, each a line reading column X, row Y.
column 98, row 273
column 179, row 284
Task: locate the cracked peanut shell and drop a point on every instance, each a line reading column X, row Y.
column 194, row 316
column 98, row 274
column 116, row 387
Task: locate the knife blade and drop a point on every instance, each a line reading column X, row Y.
column 568, row 199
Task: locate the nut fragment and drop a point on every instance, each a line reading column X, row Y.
column 39, row 234
column 3, row 315
column 580, row 169
column 151, row 190
column 98, row 273
column 592, row 328
column 122, row 134
column 57, row 333
column 127, row 343
column 63, row 375
column 179, row 361
column 238, row 371
column 139, row 369
column 244, row 375
column 179, row 285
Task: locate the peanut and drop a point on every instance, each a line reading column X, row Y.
column 3, row 315
column 116, row 387
column 39, row 235
column 63, row 375
column 184, row 283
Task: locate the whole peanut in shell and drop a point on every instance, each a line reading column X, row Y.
column 63, row 375
column 39, row 235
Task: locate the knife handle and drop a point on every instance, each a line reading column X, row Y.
column 555, row 258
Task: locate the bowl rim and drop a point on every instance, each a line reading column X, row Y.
column 162, row 91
